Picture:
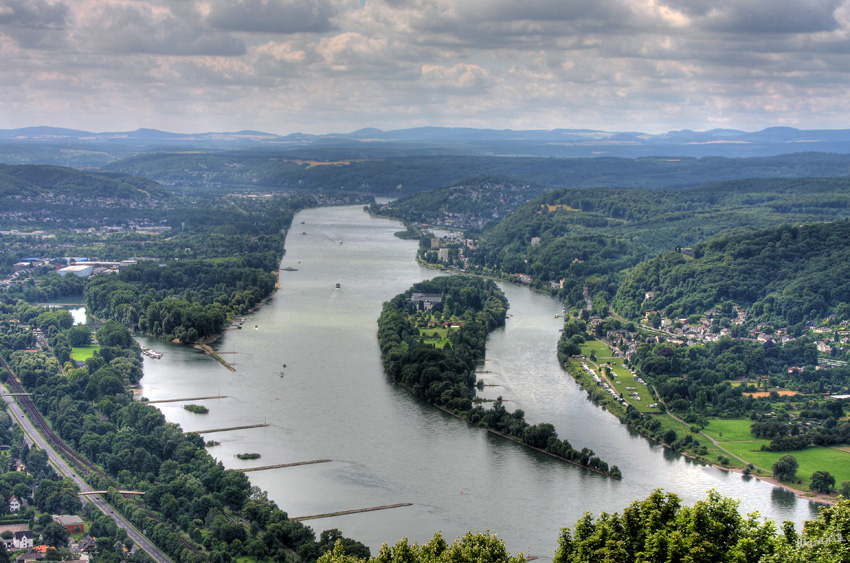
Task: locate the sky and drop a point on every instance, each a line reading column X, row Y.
column 323, row 66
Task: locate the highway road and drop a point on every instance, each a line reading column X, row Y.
column 66, row 470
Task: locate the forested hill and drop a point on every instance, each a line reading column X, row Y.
column 368, row 171
column 37, row 180
column 466, row 204
column 586, row 237
column 783, row 275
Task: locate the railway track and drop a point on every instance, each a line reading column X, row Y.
column 36, row 417
column 83, row 465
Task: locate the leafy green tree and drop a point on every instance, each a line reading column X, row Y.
column 472, row 548
column 661, row 529
column 329, row 538
column 822, row 481
column 785, row 468
column 79, row 336
column 113, row 333
column 822, row 541
column 55, row 534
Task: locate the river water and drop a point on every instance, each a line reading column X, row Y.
column 333, row 401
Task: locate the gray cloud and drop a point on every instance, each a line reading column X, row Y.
column 33, row 23
column 272, row 16
column 772, row 16
column 148, row 28
column 35, row 14
column 321, row 65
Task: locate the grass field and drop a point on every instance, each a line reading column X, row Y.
column 435, row 336
column 731, row 434
column 83, row 353
column 621, row 378
column 735, row 436
column 599, row 347
column 730, row 430
column 682, row 430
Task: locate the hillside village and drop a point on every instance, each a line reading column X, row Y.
column 831, row 336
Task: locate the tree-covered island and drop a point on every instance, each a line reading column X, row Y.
column 430, row 338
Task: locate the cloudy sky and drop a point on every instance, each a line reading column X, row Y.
column 323, row 66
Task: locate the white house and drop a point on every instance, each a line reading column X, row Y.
column 22, row 539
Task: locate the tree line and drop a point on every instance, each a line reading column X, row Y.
column 658, row 528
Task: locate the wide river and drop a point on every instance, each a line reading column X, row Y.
column 333, row 401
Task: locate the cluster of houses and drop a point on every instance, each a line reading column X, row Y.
column 681, row 332
column 443, row 246
column 86, row 201
column 829, row 338
column 19, row 538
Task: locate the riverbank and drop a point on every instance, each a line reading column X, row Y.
column 204, row 344
column 513, row 438
column 712, row 453
column 804, row 495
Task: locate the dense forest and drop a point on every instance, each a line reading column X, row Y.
column 588, row 237
column 365, row 170
column 782, row 276
column 219, row 267
column 31, row 181
column 444, row 374
column 187, row 300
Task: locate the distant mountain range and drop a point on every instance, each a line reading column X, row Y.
column 450, row 140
